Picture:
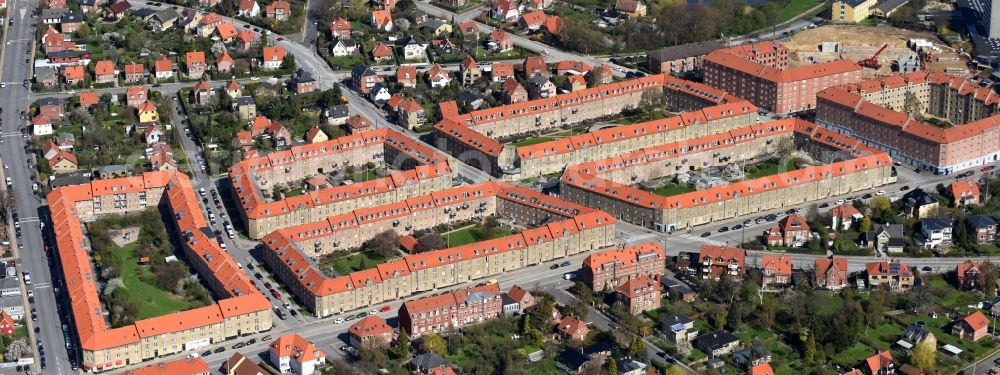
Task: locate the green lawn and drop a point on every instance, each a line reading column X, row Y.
column 571, row 132
column 546, row 366
column 771, row 168
column 884, row 335
column 795, row 8
column 345, row 62
column 354, row 262
column 472, row 234
column 673, row 189
column 852, row 356
column 365, row 175
column 150, row 299
column 532, row 141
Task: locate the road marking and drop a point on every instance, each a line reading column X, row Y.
column 28, row 220
column 42, row 286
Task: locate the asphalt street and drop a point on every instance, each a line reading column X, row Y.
column 31, row 257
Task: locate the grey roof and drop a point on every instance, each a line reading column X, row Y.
column 427, row 361
column 348, row 43
column 598, row 347
column 630, row 364
column 433, row 23
column 10, row 283
column 685, row 51
column 854, row 3
column 676, row 319
column 69, row 179
column 143, row 12
column 538, row 80
column 362, row 71
column 302, row 75
column 916, row 332
column 918, row 197
column 71, row 17
column 45, row 73
column 50, row 13
column 887, row 6
column 112, row 169
column 243, row 100
column 88, row 2
column 715, row 340
column 469, row 96
column 416, row 41
column 49, row 100
column 936, row 223
column 338, row 111
column 572, row 359
column 64, row 53
column 748, row 355
column 166, row 14
column 65, row 137
column 981, row 221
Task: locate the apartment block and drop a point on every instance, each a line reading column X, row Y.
column 873, row 112
column 760, row 73
column 608, row 269
column 605, row 184
column 417, row 170
column 558, row 229
column 241, row 311
column 450, row 311
column 474, row 137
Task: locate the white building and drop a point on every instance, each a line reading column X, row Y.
column 294, row 354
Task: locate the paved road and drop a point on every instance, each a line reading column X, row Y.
column 14, row 98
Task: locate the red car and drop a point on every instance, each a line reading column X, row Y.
column 275, row 294
column 267, row 285
column 384, row 308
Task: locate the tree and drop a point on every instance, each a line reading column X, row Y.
column 384, row 244
column 355, row 10
column 402, row 24
column 431, row 241
column 288, row 63
column 611, row 367
column 637, row 349
column 434, row 343
column 924, row 356
column 401, row 346
column 405, row 5
column 16, row 349
column 866, row 224
column 911, row 104
column 785, row 147
column 652, row 101
column 809, row 349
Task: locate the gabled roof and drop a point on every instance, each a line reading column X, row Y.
column 975, row 320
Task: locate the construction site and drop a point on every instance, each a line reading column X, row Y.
column 887, row 49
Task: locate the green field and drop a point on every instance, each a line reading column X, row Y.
column 673, row 189
column 532, row 141
column 472, row 234
column 151, row 300
column 772, row 167
column 795, row 8
column 354, row 262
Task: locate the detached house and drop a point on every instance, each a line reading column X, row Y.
column 469, row 71
column 964, row 192
column 340, row 28
column 500, row 41
column 414, row 49
column 713, row 261
column 224, row 63
column 982, row 229
column 74, row 74
column 936, row 231
column 969, row 274
column 41, row 125
column 792, row 231
column 438, row 77
column 364, row 78
column 831, row 273
column 517, row 300
column 540, row 87
column 303, row 82
column 104, row 72
column 843, row 217
column 504, row 10
column 292, row 353
column 776, row 271
column 971, row 327
column 279, row 10
column 501, row 71
column 164, row 68
column 273, row 57
column 371, row 331
column 640, row 294
column 717, row 344
column 249, row 8
column 572, row 328
column 532, row 21
column 382, row 20
column 136, row 95
column 631, row 8
column 195, row 63
column 535, row 65
column 406, row 76
column 513, row 92
column 202, row 92
column 134, row 73
column 886, row 238
column 381, row 52
column 895, row 274
column 343, row 47
column 411, row 114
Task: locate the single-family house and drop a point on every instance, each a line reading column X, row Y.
column 406, row 76
column 886, row 238
column 964, row 192
column 279, row 10
column 831, row 273
column 982, row 229
column 273, row 57
column 717, row 343
column 248, row 9
column 936, row 231
column 971, row 327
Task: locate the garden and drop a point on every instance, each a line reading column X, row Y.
column 140, row 276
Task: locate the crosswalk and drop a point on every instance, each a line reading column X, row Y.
column 696, row 238
column 28, row 220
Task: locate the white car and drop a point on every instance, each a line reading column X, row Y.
column 880, row 192
column 338, row 321
column 839, row 201
column 372, row 312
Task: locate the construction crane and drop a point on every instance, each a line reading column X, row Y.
column 872, row 62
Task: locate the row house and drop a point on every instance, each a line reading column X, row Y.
column 450, row 311
column 894, row 274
